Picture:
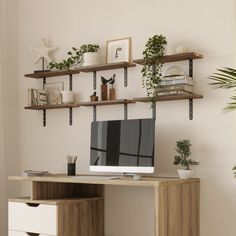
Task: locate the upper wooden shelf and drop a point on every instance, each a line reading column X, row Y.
column 170, row 98
column 109, row 66
column 100, row 67
column 175, row 57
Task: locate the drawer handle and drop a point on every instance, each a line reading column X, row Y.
column 33, row 205
column 32, row 234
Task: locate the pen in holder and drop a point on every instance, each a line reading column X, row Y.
column 71, row 165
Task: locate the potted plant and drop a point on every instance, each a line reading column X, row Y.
column 76, row 56
column 90, row 54
column 183, row 158
column 152, row 69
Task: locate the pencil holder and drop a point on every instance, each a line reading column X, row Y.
column 71, row 169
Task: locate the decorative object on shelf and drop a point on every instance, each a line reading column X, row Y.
column 94, row 97
column 53, row 91
column 32, row 97
column 152, row 74
column 183, row 158
column 43, row 53
column 181, row 49
column 104, row 88
column 119, row 50
column 71, row 165
column 67, row 97
column 112, row 91
column 75, row 57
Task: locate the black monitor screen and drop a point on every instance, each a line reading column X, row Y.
column 123, row 143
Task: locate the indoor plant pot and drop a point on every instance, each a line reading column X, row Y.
column 185, row 174
column 90, row 58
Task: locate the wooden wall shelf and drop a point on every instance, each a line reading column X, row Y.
column 170, row 98
column 49, row 107
column 106, row 103
column 175, row 57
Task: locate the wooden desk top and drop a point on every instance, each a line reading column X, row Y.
column 105, row 180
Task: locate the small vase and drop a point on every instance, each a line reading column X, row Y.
column 185, row 174
column 90, row 58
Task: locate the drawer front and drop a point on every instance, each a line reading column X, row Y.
column 18, row 233
column 40, row 218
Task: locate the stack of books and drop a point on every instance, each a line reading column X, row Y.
column 28, row 173
column 176, row 85
column 37, row 97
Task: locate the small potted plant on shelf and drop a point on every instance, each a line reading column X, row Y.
column 77, row 56
column 152, row 70
column 183, row 158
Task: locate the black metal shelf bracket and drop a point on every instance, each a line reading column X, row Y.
column 94, row 113
column 191, row 109
column 70, row 109
column 94, row 80
column 190, row 67
column 154, row 110
column 44, row 118
column 125, row 111
column 125, row 77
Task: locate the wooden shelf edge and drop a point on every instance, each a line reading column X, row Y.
column 107, row 102
column 86, row 69
column 175, row 57
column 49, row 107
column 170, row 98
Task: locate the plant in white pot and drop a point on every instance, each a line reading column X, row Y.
column 90, row 54
column 183, row 159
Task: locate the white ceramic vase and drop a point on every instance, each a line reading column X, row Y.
column 90, row 58
column 185, row 174
column 67, row 97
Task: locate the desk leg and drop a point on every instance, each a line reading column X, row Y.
column 156, row 211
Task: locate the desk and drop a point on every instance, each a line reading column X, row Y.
column 176, row 201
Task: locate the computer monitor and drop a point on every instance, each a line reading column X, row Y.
column 125, row 146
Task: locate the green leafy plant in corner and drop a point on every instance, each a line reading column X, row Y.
column 184, row 152
column 152, row 69
column 225, row 79
column 75, row 57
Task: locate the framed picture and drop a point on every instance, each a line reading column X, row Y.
column 53, row 91
column 119, row 50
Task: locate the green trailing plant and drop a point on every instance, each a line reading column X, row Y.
column 75, row 57
column 225, row 79
column 184, row 152
column 152, row 69
column 234, row 169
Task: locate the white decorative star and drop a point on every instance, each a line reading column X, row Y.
column 43, row 52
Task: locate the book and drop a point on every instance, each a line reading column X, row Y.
column 186, row 80
column 176, row 77
column 42, row 97
column 37, row 97
column 35, row 173
column 178, row 87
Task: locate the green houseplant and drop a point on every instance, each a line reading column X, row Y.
column 225, row 78
column 183, row 158
column 152, row 69
column 75, row 57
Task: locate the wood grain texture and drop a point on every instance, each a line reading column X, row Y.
column 83, row 218
column 175, row 57
column 50, row 190
column 179, row 209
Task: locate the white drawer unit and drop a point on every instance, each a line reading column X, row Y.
column 18, row 233
column 35, row 218
column 56, row 217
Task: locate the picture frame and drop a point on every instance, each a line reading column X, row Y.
column 53, row 92
column 118, row 50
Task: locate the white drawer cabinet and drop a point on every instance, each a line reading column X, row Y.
column 58, row 217
column 37, row 218
column 18, row 233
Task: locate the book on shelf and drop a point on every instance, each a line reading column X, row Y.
column 172, row 81
column 28, row 173
column 178, row 87
column 37, row 97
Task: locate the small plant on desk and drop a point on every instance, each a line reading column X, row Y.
column 183, row 158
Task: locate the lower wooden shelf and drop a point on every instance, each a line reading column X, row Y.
column 48, row 107
column 170, row 98
column 107, row 102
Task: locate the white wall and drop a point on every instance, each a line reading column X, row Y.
column 8, row 106
column 205, row 26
